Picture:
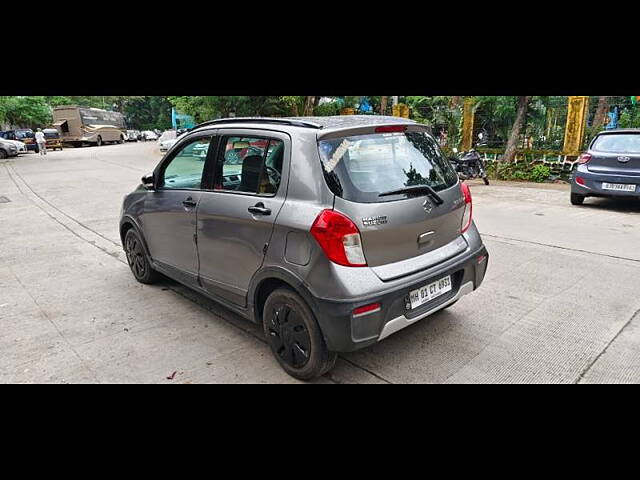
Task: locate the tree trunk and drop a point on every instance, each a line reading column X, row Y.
column 308, row 106
column 601, row 112
column 456, row 101
column 383, row 105
column 512, row 144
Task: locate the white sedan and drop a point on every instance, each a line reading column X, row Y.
column 21, row 146
column 167, row 144
column 149, row 136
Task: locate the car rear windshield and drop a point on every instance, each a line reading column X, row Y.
column 360, row 168
column 618, row 143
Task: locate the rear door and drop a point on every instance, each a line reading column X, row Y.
column 362, row 168
column 616, row 154
column 236, row 214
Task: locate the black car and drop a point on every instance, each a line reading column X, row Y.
column 609, row 168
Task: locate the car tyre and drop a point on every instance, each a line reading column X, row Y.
column 486, row 180
column 295, row 337
column 138, row 260
column 3, row 154
column 99, row 142
column 577, row 199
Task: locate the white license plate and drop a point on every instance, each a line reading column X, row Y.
column 425, row 294
column 620, row 187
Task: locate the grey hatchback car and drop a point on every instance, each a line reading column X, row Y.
column 331, row 232
column 609, row 168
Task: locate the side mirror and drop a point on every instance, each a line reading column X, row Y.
column 147, row 181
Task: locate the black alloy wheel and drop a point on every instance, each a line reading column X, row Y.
column 288, row 335
column 295, row 337
column 137, row 258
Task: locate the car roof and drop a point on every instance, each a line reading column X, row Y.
column 310, row 125
column 619, row 130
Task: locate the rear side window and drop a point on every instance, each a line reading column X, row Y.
column 360, row 168
column 617, row 143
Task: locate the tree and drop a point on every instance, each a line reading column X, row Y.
column 383, row 105
column 512, row 144
column 26, row 111
column 308, row 106
column 146, row 113
column 601, row 112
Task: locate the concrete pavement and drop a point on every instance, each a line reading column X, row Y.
column 559, row 305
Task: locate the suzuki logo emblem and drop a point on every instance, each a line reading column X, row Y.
column 623, row 159
column 428, row 206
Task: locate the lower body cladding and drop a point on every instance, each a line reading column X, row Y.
column 590, row 184
column 390, row 312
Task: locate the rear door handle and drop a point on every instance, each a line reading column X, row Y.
column 189, row 203
column 260, row 209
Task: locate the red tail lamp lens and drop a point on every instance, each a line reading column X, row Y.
column 391, row 128
column 339, row 238
column 467, row 216
column 584, row 158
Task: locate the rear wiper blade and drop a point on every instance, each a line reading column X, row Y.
column 416, row 189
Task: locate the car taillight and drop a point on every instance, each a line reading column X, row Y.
column 391, row 128
column 467, row 216
column 584, row 158
column 339, row 238
column 580, row 181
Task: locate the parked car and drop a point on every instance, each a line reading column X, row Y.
column 148, row 136
column 24, row 135
column 165, row 145
column 53, row 140
column 337, row 233
column 609, row 168
column 7, row 149
column 132, row 135
column 20, row 146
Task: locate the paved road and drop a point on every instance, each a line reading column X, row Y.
column 559, row 305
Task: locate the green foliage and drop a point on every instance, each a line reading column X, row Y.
column 204, row 108
column 327, row 109
column 630, row 118
column 25, row 111
column 539, row 173
column 437, row 112
column 147, row 113
column 520, row 171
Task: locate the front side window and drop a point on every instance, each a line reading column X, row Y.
column 184, row 171
column 250, row 165
column 361, row 168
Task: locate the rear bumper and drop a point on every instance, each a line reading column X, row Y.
column 593, row 184
column 344, row 332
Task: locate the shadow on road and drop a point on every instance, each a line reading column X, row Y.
column 621, row 205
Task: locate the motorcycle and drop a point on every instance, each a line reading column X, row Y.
column 469, row 165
